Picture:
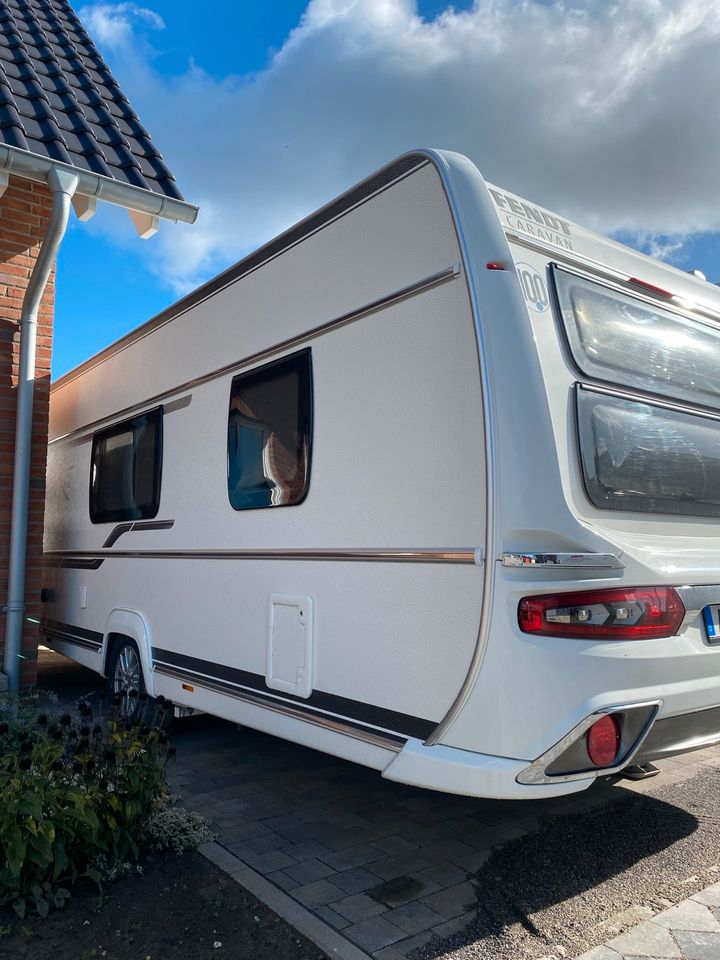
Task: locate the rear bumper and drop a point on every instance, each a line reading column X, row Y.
column 670, row 736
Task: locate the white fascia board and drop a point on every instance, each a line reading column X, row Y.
column 31, row 166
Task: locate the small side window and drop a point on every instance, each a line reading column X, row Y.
column 269, row 434
column 125, row 470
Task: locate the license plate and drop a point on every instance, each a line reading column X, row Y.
column 711, row 618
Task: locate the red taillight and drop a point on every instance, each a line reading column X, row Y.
column 603, row 741
column 632, row 613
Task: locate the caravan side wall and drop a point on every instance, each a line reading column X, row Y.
column 397, row 466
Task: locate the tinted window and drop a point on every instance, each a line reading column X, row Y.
column 125, row 470
column 642, row 457
column 619, row 339
column 269, row 434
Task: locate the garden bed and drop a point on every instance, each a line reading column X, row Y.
column 176, row 909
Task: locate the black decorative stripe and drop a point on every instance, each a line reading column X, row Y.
column 123, row 528
column 81, row 563
column 350, row 727
column 365, row 713
column 67, row 633
column 116, row 533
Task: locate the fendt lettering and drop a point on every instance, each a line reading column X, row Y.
column 528, row 212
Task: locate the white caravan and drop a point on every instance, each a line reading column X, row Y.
column 430, row 482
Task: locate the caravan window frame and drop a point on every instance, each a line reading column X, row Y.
column 601, row 369
column 146, row 511
column 301, row 361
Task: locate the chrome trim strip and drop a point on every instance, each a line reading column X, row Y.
column 591, row 561
column 650, row 400
column 694, row 598
column 491, row 494
column 282, row 707
column 397, row 296
column 594, row 270
column 572, row 257
column 461, row 555
column 534, row 773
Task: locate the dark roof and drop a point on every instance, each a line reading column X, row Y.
column 59, row 100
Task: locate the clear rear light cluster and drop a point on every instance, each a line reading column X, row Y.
column 630, row 613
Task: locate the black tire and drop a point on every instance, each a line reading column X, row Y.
column 125, row 678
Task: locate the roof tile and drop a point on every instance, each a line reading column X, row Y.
column 59, row 99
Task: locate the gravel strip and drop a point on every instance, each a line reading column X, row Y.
column 581, row 879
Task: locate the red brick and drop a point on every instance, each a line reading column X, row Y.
column 24, row 212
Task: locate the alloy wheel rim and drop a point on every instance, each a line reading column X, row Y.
column 126, row 681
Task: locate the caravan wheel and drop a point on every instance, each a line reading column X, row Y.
column 125, row 679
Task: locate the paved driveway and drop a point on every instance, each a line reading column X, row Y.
column 393, row 868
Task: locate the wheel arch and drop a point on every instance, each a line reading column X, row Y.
column 132, row 625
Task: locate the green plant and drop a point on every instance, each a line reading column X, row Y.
column 176, row 829
column 73, row 787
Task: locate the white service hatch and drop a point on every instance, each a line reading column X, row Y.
column 290, row 644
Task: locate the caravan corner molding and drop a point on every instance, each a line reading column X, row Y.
column 429, row 482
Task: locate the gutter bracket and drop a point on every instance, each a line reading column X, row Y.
column 146, row 224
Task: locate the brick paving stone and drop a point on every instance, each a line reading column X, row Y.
column 283, row 881
column 307, row 850
column 373, row 934
column 445, row 874
column 403, row 890
column 414, row 918
column 307, row 871
column 357, row 880
column 648, row 940
column 410, row 944
column 334, row 919
column 451, row 927
column 392, row 867
column 266, row 843
column 698, row 944
column 688, row 915
column 473, row 861
column 352, row 857
column 445, row 850
column 317, row 894
column 270, row 862
column 388, row 953
column 243, row 831
column 392, row 846
column 601, row 953
column 710, row 896
column 452, row 901
column 338, row 838
column 358, row 907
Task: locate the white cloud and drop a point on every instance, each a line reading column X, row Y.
column 112, row 24
column 605, row 111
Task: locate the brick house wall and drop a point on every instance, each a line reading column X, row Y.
column 24, row 213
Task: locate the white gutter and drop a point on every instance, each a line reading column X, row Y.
column 31, row 166
column 63, row 184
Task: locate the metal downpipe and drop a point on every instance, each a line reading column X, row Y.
column 63, row 185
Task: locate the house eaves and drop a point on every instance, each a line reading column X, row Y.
column 62, row 109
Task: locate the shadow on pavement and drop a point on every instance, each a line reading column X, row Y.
column 578, row 849
column 564, row 860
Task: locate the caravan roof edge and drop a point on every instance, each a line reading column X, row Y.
column 359, row 193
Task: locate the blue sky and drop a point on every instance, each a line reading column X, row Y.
column 265, row 109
